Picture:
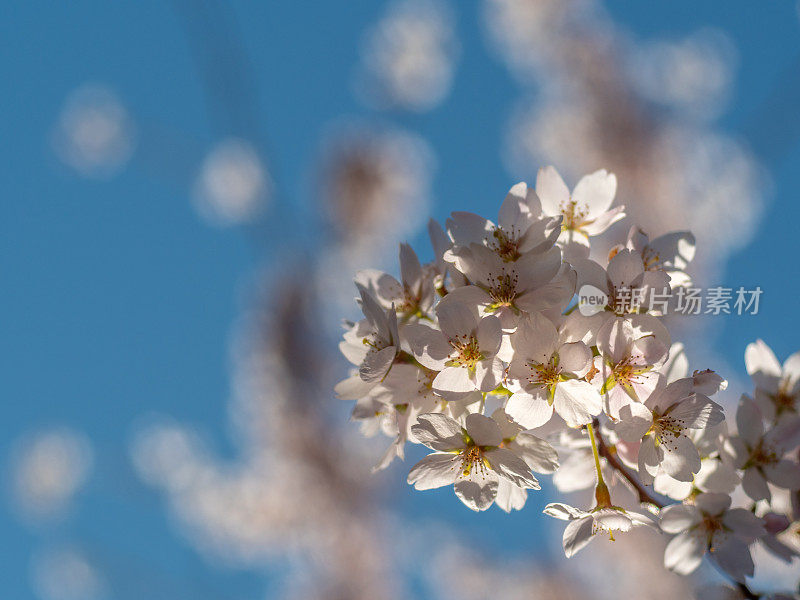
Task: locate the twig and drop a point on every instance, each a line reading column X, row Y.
column 611, row 457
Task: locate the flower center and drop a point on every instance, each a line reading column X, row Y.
column 667, row 429
column 375, row 342
column 626, row 373
column 574, row 217
column 503, row 288
column 505, row 243
column 625, row 300
column 783, row 400
column 472, row 458
column 651, row 259
column 467, row 352
column 544, row 374
column 762, row 455
column 711, row 526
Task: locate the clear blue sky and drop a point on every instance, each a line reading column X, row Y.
column 117, row 300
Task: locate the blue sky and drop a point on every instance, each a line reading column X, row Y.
column 118, row 301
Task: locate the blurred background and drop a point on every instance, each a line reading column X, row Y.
column 188, row 188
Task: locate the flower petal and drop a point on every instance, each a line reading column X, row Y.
column 512, row 467
column 483, row 430
column 577, row 402
column 577, row 535
column 434, row 471
column 438, row 431
column 596, row 192
column 475, row 495
column 552, row 191
column 635, row 420
column 762, row 366
column 684, row 553
column 677, row 518
column 529, row 410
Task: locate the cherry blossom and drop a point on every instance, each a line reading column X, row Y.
column 583, row 525
column 550, row 374
column 586, row 211
column 710, row 525
column 470, row 458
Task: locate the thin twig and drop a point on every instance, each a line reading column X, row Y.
column 611, row 456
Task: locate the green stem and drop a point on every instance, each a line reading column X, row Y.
column 601, row 493
column 596, row 454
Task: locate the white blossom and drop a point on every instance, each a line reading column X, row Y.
column 470, row 458
column 584, row 525
column 710, row 525
column 550, row 373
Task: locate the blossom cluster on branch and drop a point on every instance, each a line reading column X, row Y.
column 486, row 357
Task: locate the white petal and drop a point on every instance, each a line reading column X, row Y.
column 612, row 519
column 410, row 268
column 438, row 431
column 749, row 421
column 528, row 410
column 511, row 209
column 681, row 460
column 565, row 512
column 596, row 192
column 374, row 313
column 456, row 319
column 762, row 366
column 577, row 534
column 540, row 456
column 552, row 191
column 735, row 559
column 428, row 345
column 676, row 518
column 483, row 430
column 536, row 339
column 712, row 504
column 489, row 334
column 510, row 496
column 488, row 374
column 785, row 474
column 377, row 364
column 453, row 379
column 684, row 553
column 352, row 388
column 648, row 460
column 755, row 486
column 466, row 228
column 635, row 421
column 434, row 471
column 791, row 372
column 625, row 268
column 512, row 467
column 698, row 412
column 475, row 495
column 744, row 524
column 674, row 250
column 575, row 357
column 577, row 402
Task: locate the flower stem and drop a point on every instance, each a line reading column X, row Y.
column 601, row 492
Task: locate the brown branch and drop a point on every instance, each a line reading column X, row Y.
column 611, row 457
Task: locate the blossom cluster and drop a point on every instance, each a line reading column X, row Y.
column 481, row 357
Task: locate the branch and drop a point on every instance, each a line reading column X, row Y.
column 611, row 456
